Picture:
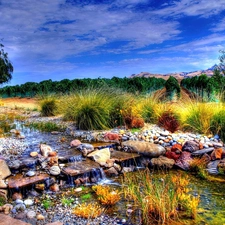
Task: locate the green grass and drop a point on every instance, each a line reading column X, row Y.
column 48, row 106
column 45, row 126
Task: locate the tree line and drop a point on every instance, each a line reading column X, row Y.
column 137, row 85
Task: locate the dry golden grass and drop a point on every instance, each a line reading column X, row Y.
column 20, row 103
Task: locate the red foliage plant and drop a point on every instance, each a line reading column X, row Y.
column 134, row 122
column 169, row 121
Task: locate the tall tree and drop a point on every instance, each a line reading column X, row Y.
column 221, row 65
column 6, row 68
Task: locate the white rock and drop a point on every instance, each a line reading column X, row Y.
column 28, row 202
column 31, row 214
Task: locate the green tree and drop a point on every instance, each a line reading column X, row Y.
column 221, row 66
column 172, row 87
column 6, row 68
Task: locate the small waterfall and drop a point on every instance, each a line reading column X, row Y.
column 75, row 158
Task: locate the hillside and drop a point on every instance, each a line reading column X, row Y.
column 178, row 75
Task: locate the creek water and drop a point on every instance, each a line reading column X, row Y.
column 211, row 210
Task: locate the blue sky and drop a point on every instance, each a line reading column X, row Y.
column 58, row 39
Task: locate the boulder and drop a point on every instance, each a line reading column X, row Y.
column 45, row 149
column 145, row 148
column 162, row 162
column 184, row 160
column 100, row 156
column 7, row 220
column 217, row 154
column 4, row 169
column 191, row 146
column 202, row 151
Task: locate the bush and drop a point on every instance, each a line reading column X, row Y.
column 217, row 125
column 48, row 107
column 169, row 121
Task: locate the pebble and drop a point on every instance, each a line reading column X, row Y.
column 31, row 214
column 28, row 202
column 30, row 173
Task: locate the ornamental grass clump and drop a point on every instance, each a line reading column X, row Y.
column 169, row 121
column 88, row 210
column 217, row 124
column 199, row 116
column 106, row 195
column 90, row 109
column 48, row 107
column 160, row 199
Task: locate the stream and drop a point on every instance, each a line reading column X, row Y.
column 211, row 210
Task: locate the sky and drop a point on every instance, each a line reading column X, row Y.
column 68, row 39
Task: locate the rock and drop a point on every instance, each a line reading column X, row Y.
column 53, row 161
column 190, row 146
column 7, row 220
column 20, row 181
column 19, row 201
column 54, row 170
column 34, row 154
column 117, row 167
column 4, row 169
column 21, row 215
column 217, row 154
column 4, row 194
column 28, row 202
column 111, row 172
column 55, row 132
column 30, row 173
column 20, row 207
column 40, row 217
column 16, row 196
column 7, row 208
column 112, row 136
column 52, row 154
column 45, row 149
column 176, row 148
column 55, row 223
column 184, row 160
column 40, row 187
column 201, row 152
column 212, row 167
column 172, row 155
column 144, row 148
column 3, row 184
column 100, row 156
column 127, row 169
column 162, row 162
column 75, row 143
column 54, row 188
column 79, row 189
column 31, row 214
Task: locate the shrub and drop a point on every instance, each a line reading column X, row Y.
column 169, row 121
column 48, row 107
column 217, row 125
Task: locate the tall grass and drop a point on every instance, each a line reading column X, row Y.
column 160, row 199
column 90, row 109
column 48, row 106
column 218, row 124
column 199, row 115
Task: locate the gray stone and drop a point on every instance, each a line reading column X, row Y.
column 202, row 152
column 184, row 161
column 190, row 146
column 31, row 214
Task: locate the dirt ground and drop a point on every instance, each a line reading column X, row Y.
column 19, row 103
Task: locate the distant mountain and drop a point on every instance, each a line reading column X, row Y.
column 178, row 75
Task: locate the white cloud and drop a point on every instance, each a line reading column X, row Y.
column 201, row 8
column 219, row 26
